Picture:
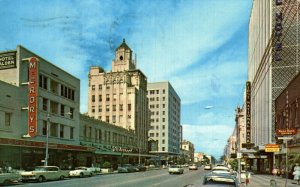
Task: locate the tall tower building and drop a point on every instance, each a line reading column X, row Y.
column 119, row 97
column 165, row 128
column 272, row 61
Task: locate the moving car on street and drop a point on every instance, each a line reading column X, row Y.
column 173, row 169
column 81, row 172
column 207, row 167
column 126, row 168
column 221, row 169
column 193, row 167
column 44, row 173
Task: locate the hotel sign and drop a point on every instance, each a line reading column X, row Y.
column 248, row 112
column 32, row 96
column 8, row 60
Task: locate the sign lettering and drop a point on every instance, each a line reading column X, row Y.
column 32, row 96
column 8, row 60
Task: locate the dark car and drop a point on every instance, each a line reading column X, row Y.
column 140, row 167
column 126, row 168
column 220, row 179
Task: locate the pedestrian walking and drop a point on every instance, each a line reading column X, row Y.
column 296, row 173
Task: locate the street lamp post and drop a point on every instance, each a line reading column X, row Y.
column 47, row 140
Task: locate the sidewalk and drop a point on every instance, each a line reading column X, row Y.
column 260, row 180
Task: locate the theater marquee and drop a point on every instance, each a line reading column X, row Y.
column 32, row 96
column 8, row 60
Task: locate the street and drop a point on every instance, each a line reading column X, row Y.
column 140, row 179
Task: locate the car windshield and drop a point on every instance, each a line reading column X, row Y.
column 40, row 169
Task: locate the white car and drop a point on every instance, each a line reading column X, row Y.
column 175, row 169
column 81, row 172
column 193, row 167
column 207, row 167
column 8, row 178
column 43, row 173
column 221, row 169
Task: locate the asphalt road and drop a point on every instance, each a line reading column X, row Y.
column 153, row 178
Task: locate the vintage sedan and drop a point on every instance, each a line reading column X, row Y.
column 175, row 169
column 81, row 172
column 126, row 168
column 220, row 179
column 193, row 167
column 9, row 178
column 44, row 173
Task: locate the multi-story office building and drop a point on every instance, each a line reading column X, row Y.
column 165, row 128
column 273, row 62
column 188, row 151
column 119, row 97
column 36, row 94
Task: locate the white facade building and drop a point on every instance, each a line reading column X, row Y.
column 165, row 127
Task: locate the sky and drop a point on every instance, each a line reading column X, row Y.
column 199, row 46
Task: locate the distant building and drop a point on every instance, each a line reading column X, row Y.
column 198, row 157
column 119, row 97
column 165, row 128
column 188, row 151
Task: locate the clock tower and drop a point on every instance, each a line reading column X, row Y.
column 123, row 60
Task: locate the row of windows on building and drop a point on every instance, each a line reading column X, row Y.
column 157, row 106
column 157, row 99
column 54, row 87
column 107, row 87
column 58, row 130
column 152, row 120
column 108, row 137
column 157, row 113
column 57, row 108
column 114, row 108
column 152, row 92
column 156, row 127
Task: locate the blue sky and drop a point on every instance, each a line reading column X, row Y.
column 199, row 46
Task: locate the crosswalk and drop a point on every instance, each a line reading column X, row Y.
column 269, row 180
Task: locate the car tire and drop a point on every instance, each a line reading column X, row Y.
column 6, row 182
column 62, row 177
column 41, row 179
column 81, row 175
column 170, row 173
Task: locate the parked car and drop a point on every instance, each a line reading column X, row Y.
column 140, row 167
column 207, row 167
column 220, row 179
column 43, row 173
column 94, row 170
column 9, row 178
column 126, row 168
column 193, row 167
column 175, row 169
column 81, row 172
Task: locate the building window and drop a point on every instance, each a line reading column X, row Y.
column 43, row 82
column 151, row 134
column 163, row 127
column 121, row 107
column 100, row 98
column 114, row 119
column 129, row 107
column 164, row 105
column 107, row 119
column 61, row 133
column 53, row 129
column 114, row 107
column 93, row 98
column 7, row 119
column 157, row 120
column 163, row 134
column 45, row 104
column 163, row 148
column 164, row 113
column 163, row 119
column 93, row 109
column 107, row 108
column 163, row 141
column 164, row 91
column 71, row 113
column 100, row 108
column 93, row 87
column 157, row 112
column 62, row 110
column 156, row 134
column 44, row 130
column 100, row 86
column 157, row 91
column 71, row 132
column 152, row 92
column 107, row 97
column 157, row 105
column 164, row 98
column 157, row 98
column 114, row 96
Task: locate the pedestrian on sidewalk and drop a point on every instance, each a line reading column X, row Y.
column 296, row 173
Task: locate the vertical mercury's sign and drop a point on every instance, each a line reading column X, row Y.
column 32, row 96
column 248, row 112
